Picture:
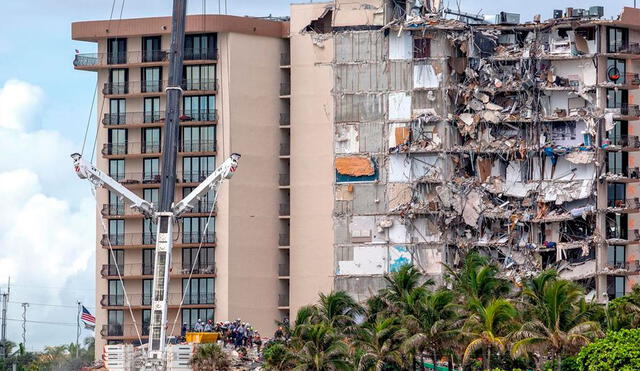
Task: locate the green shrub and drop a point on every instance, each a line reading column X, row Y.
column 618, row 351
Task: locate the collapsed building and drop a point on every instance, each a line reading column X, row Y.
column 518, row 140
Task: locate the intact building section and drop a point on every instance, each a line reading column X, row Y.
column 230, row 104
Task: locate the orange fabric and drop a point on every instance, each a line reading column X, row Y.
column 354, row 166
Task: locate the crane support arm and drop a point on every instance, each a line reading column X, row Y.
column 224, row 171
column 100, row 179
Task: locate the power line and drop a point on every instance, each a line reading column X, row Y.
column 52, row 305
column 43, row 322
column 50, row 287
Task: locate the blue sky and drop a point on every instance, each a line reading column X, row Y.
column 44, row 107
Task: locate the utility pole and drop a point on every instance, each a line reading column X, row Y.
column 3, row 328
column 78, row 329
column 24, row 324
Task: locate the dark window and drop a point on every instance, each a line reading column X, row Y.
column 118, row 81
column 147, row 291
column 617, row 226
column 117, row 112
column 151, row 79
column 152, row 49
column 618, row 162
column 117, row 264
column 151, row 170
column 200, row 47
column 117, row 51
column 198, row 291
column 616, row 286
column 116, row 233
column 199, row 108
column 421, row 48
column 116, row 169
column 116, row 293
column 619, row 132
column 116, row 204
column 193, row 230
column 190, row 316
column 149, row 229
column 197, row 169
column 198, row 138
column 616, row 194
column 204, row 205
column 617, row 39
column 152, row 109
column 203, row 264
column 616, row 256
column 150, row 140
column 117, row 142
column 115, row 323
column 617, row 98
column 200, row 77
column 617, row 71
column 146, row 321
column 148, row 256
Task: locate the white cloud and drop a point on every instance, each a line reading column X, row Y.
column 47, row 218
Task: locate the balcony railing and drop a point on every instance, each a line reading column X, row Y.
column 630, row 48
column 133, row 118
column 117, row 330
column 632, row 203
column 194, row 176
column 134, row 87
column 625, row 109
column 619, row 233
column 284, row 179
column 201, row 145
column 199, row 268
column 285, row 88
column 129, row 148
column 173, row 299
column 284, row 209
column 200, row 54
column 201, row 207
column 629, row 172
column 199, row 85
column 149, row 177
column 283, row 239
column 624, row 79
column 285, row 149
column 285, row 59
column 113, row 300
column 117, row 210
column 147, row 238
column 199, row 115
column 111, row 270
column 103, row 59
column 285, row 119
column 283, row 300
column 283, row 270
column 630, row 266
column 626, row 141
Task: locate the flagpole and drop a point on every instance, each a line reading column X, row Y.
column 78, row 329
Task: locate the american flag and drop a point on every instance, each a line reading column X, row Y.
column 87, row 317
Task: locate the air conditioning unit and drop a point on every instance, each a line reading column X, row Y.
column 596, row 11
column 557, row 14
column 580, row 13
column 508, row 18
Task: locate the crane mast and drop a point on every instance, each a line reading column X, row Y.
column 164, row 214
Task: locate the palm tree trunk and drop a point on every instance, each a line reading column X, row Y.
column 488, row 360
column 558, row 363
column 435, row 358
column 450, row 365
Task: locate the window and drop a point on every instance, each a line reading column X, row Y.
column 117, row 112
column 190, row 316
column 151, row 109
column 616, row 256
column 616, row 71
column 203, row 205
column 200, row 47
column 116, row 204
column 150, row 140
column 617, row 226
column 617, row 162
column 152, row 49
column 149, row 229
column 117, row 142
column 617, row 99
column 150, row 195
column 421, row 48
column 118, row 81
column 616, row 194
column 197, row 169
column 616, row 286
column 115, row 321
column 117, row 264
column 147, row 292
column 151, row 170
column 151, row 79
column 204, row 264
column 617, row 39
column 200, row 77
column 199, row 291
column 116, row 293
column 193, row 229
column 116, row 169
column 116, row 232
column 198, row 138
column 116, row 51
column 619, row 132
column 146, row 321
column 199, row 108
column 148, row 256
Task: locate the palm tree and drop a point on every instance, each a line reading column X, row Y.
column 380, row 344
column 478, row 279
column 404, row 287
column 337, row 309
column 561, row 323
column 210, row 357
column 321, row 349
column 488, row 326
column 434, row 327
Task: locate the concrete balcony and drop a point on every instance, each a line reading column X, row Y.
column 147, row 240
column 122, row 332
column 631, row 267
column 131, row 149
column 139, row 271
column 626, row 175
column 134, row 119
column 627, row 206
column 91, row 61
column 622, row 236
column 629, row 143
column 625, row 112
column 622, row 81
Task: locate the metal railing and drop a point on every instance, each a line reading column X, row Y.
column 284, row 179
column 632, row 203
column 619, row 233
column 148, row 238
column 625, row 79
column 133, row 118
column 198, row 268
column 629, row 172
column 112, row 300
column 149, row 177
column 631, row 266
column 201, row 207
column 283, row 270
column 630, row 48
column 199, row 84
column 284, row 210
column 130, row 148
column 194, row 176
column 138, row 269
column 625, row 109
column 285, row 88
column 283, row 239
column 285, row 149
column 199, row 145
column 199, row 115
column 198, row 237
column 191, row 54
column 285, row 59
column 283, row 300
column 628, row 141
column 134, row 87
column 285, row 119
column 104, row 59
column 207, row 298
column 113, row 209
